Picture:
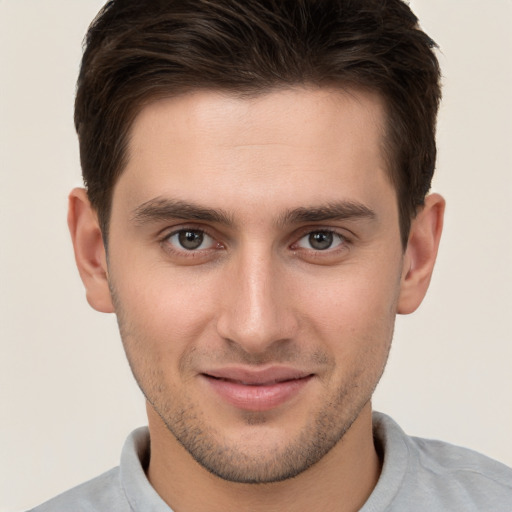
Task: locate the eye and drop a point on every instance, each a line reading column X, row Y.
column 321, row 240
column 190, row 240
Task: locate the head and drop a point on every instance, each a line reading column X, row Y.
column 137, row 51
column 259, row 170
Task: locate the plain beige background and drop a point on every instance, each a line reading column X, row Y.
column 67, row 396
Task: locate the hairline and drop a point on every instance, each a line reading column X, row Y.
column 247, row 93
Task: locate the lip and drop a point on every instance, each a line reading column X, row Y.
column 257, row 390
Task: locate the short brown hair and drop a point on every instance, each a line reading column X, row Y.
column 139, row 50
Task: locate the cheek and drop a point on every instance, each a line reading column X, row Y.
column 160, row 321
column 169, row 310
column 352, row 308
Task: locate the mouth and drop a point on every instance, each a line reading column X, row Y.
column 257, row 390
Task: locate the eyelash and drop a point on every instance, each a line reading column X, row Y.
column 343, row 245
column 343, row 240
column 165, row 242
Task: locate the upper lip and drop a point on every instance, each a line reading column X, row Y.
column 258, row 376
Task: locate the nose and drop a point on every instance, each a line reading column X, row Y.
column 257, row 307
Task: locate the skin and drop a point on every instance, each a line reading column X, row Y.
column 251, row 177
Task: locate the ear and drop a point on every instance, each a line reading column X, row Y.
column 90, row 255
column 421, row 253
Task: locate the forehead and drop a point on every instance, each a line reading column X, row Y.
column 300, row 145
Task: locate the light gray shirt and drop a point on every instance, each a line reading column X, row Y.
column 417, row 475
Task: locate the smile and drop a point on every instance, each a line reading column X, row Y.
column 257, row 390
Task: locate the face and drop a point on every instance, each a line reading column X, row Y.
column 255, row 266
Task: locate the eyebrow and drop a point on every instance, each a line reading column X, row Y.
column 342, row 210
column 162, row 209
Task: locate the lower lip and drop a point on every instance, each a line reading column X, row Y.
column 257, row 398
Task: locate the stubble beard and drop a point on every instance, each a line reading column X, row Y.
column 228, row 461
column 231, row 462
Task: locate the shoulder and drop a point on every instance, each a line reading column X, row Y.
column 122, row 489
column 104, row 492
column 443, row 458
column 457, row 471
column 435, row 475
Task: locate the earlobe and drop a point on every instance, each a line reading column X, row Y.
column 89, row 250
column 421, row 253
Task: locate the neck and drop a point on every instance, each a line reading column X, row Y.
column 341, row 481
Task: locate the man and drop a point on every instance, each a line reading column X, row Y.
column 256, row 214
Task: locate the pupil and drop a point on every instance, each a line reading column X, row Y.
column 190, row 239
column 321, row 240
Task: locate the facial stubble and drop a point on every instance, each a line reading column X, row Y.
column 230, row 460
